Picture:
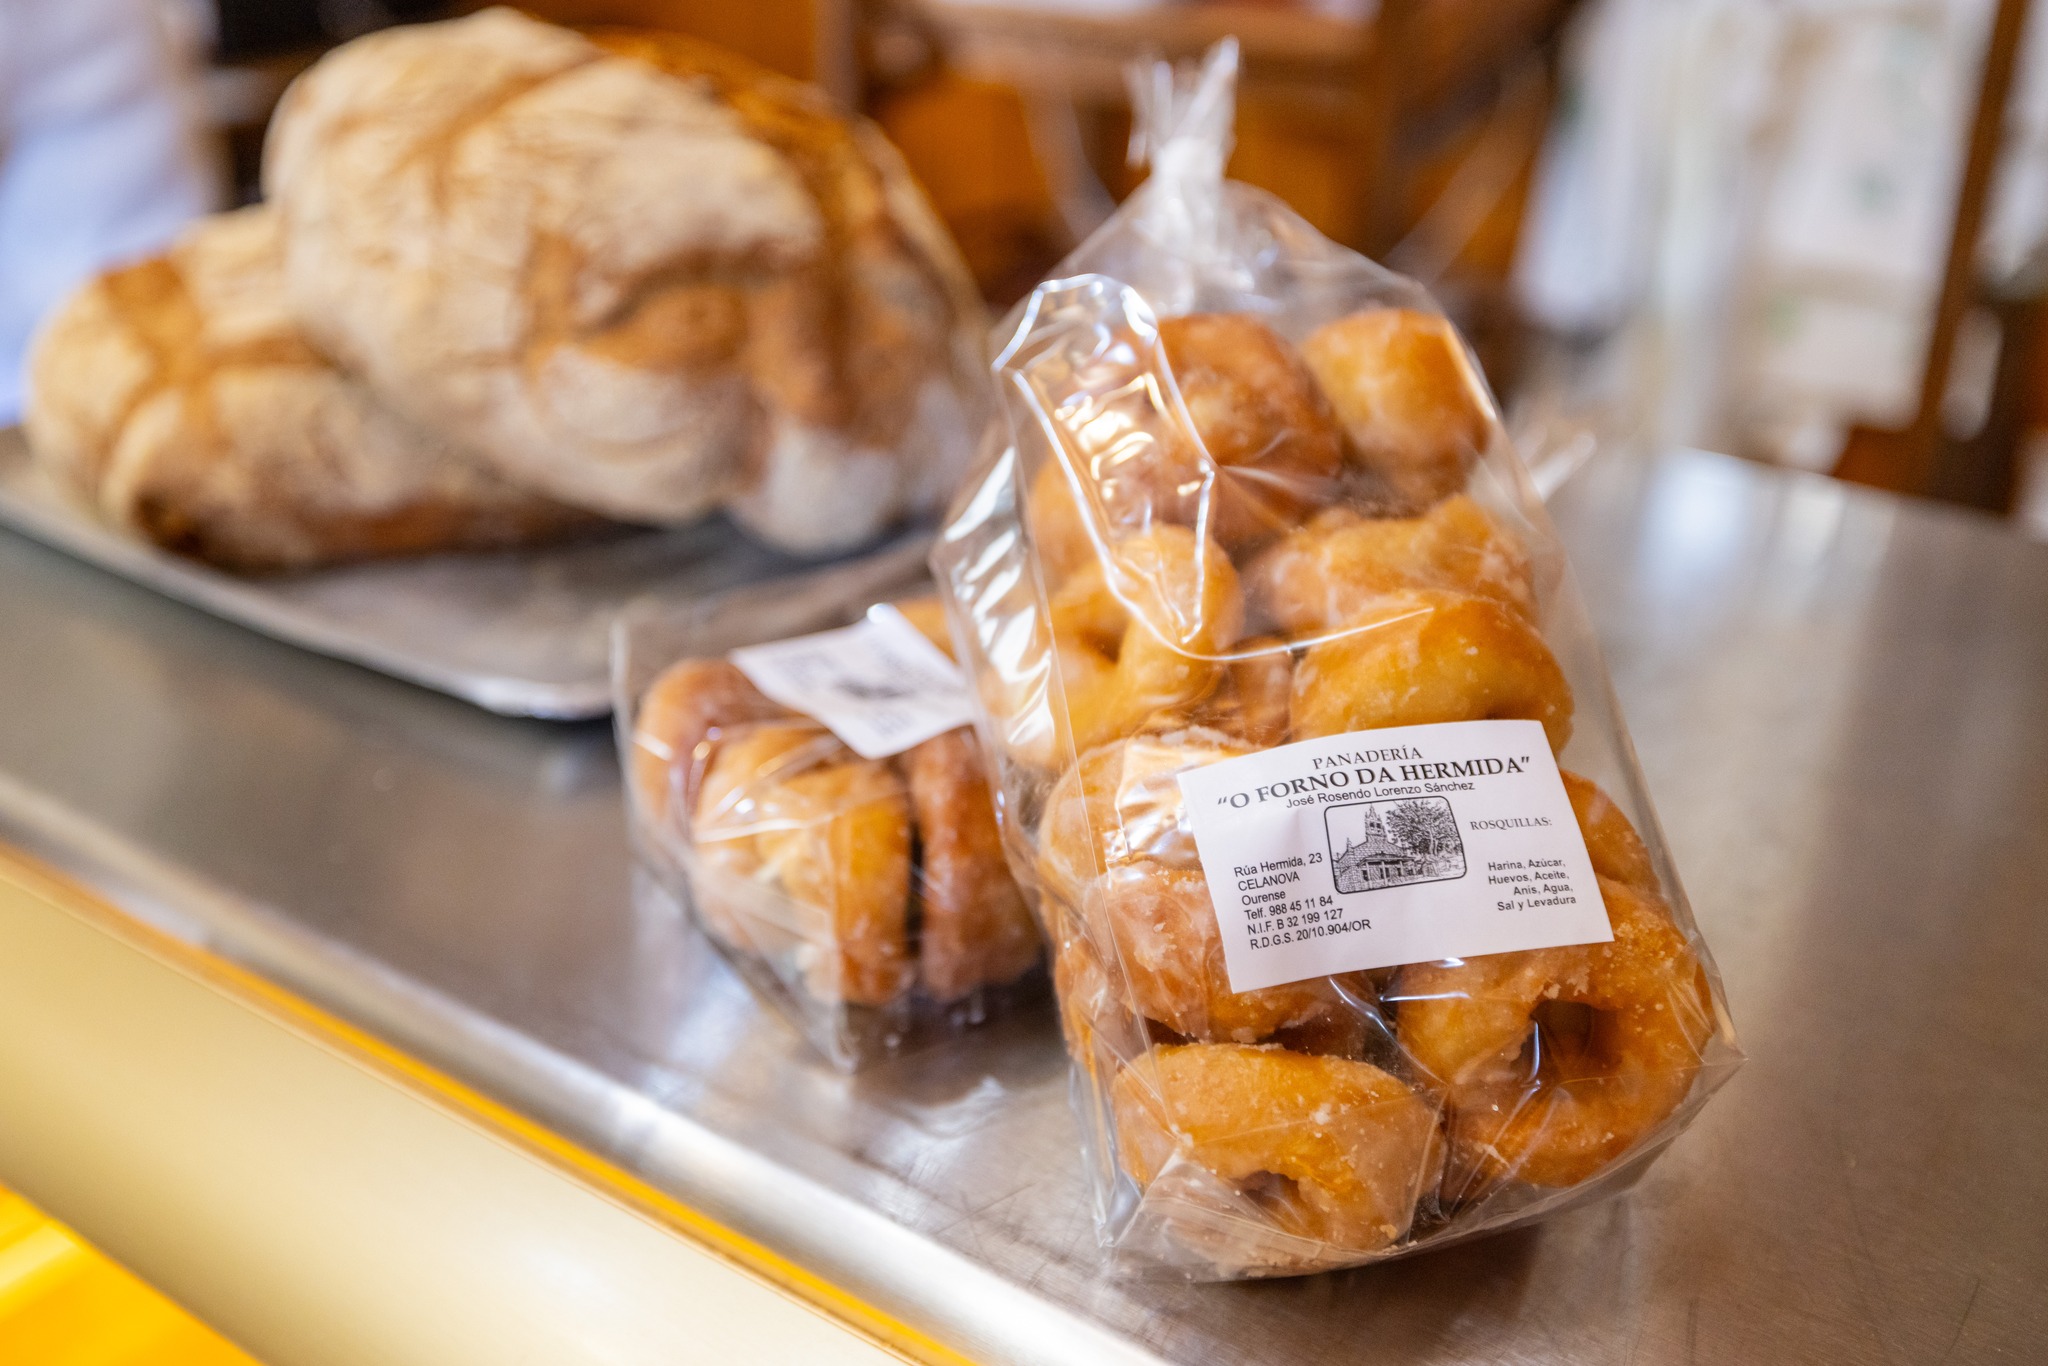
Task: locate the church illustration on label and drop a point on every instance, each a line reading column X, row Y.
column 1391, row 844
column 869, row 690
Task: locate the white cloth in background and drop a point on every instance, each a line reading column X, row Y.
column 101, row 159
column 1585, row 255
column 1756, row 196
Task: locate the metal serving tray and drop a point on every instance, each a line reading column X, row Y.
column 521, row 633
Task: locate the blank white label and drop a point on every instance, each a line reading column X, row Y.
column 878, row 684
column 1382, row 847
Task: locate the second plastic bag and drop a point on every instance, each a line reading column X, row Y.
column 816, row 802
column 1365, row 940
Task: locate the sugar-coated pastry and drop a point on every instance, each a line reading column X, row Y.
column 1319, row 575
column 733, row 887
column 1102, row 1031
column 1552, row 1098
column 1168, row 954
column 789, row 810
column 1121, row 803
column 1327, row 1149
column 1053, row 518
column 1618, row 852
column 1267, row 429
column 1408, row 397
column 873, row 875
column 1139, row 632
column 977, row 931
column 1250, row 451
column 1424, row 657
column 681, row 712
column 1255, row 697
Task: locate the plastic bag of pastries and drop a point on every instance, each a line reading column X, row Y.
column 634, row 271
column 852, row 872
column 1364, row 937
column 179, row 400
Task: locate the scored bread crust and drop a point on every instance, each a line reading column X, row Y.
column 178, row 399
column 633, row 271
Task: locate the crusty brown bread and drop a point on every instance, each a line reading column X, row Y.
column 633, row 271
column 179, row 399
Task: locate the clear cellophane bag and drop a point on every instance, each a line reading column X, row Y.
column 865, row 899
column 1248, row 487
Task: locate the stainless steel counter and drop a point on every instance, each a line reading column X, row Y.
column 1841, row 702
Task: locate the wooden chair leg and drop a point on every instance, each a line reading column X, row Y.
column 1907, row 460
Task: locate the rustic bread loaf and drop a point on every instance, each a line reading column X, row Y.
column 633, row 271
column 179, row 399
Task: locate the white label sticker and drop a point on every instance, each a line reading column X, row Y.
column 878, row 684
column 1392, row 846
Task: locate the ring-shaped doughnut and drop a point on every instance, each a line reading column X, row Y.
column 1422, row 657
column 1258, row 450
column 803, row 840
column 1139, row 635
column 1059, row 537
column 1101, row 1031
column 1254, row 698
column 1547, row 1096
column 681, row 711
column 976, row 930
column 1321, row 1148
column 1408, row 397
column 1101, row 1025
column 1120, row 803
column 1318, row 575
column 1168, row 960
column 796, row 844
column 730, row 886
column 1269, row 433
column 1617, row 851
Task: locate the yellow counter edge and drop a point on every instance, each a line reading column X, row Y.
column 63, row 1303
column 145, row 991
